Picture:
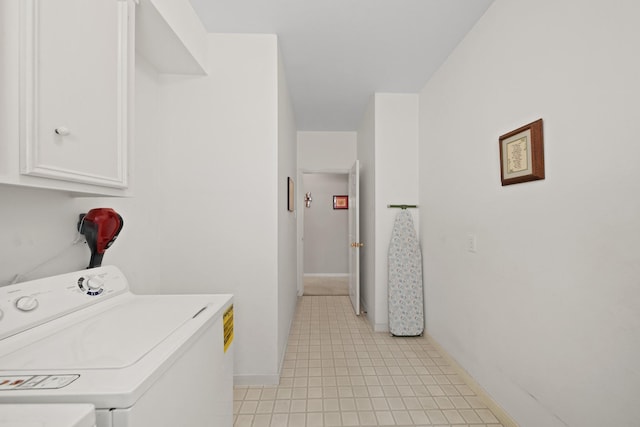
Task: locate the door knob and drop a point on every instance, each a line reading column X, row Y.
column 357, row 245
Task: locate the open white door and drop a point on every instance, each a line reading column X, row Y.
column 354, row 236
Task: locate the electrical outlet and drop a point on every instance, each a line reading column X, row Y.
column 471, row 243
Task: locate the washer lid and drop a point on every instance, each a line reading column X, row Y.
column 113, row 339
column 54, row 415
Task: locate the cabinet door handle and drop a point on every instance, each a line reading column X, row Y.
column 63, row 131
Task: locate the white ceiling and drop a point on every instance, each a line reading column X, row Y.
column 337, row 53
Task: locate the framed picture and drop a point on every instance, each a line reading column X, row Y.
column 290, row 195
column 340, row 202
column 522, row 154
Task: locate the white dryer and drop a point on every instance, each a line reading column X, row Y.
column 141, row 360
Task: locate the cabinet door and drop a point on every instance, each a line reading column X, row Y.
column 75, row 99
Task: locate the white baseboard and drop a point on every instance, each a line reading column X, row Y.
column 381, row 327
column 504, row 418
column 326, row 275
column 272, row 379
column 377, row 327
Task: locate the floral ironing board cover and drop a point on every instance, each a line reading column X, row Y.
column 405, row 295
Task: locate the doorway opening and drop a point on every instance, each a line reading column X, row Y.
column 325, row 263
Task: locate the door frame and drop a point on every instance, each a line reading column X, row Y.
column 300, row 190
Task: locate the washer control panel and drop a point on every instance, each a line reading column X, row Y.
column 36, row 382
column 91, row 285
column 29, row 304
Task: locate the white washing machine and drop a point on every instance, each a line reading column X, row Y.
column 141, row 360
column 47, row 415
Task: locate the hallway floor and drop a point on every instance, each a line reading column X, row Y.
column 338, row 372
column 326, row 285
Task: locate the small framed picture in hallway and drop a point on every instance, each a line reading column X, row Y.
column 340, row 202
column 522, row 154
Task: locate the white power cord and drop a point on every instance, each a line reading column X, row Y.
column 79, row 239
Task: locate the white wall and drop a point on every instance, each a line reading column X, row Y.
column 388, row 152
column 326, row 230
column 37, row 226
column 326, row 151
column 221, row 181
column 287, row 225
column 366, row 156
column 209, row 224
column 396, row 181
column 546, row 314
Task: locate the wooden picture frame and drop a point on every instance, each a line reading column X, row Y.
column 290, row 195
column 340, row 202
column 522, row 154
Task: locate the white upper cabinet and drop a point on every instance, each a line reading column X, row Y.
column 66, row 97
column 66, row 86
column 75, row 97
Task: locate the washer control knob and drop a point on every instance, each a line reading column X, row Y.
column 94, row 283
column 91, row 285
column 26, row 303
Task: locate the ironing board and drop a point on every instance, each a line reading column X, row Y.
column 406, row 313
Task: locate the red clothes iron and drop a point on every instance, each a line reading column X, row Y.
column 100, row 228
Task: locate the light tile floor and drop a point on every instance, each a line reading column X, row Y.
column 338, row 372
